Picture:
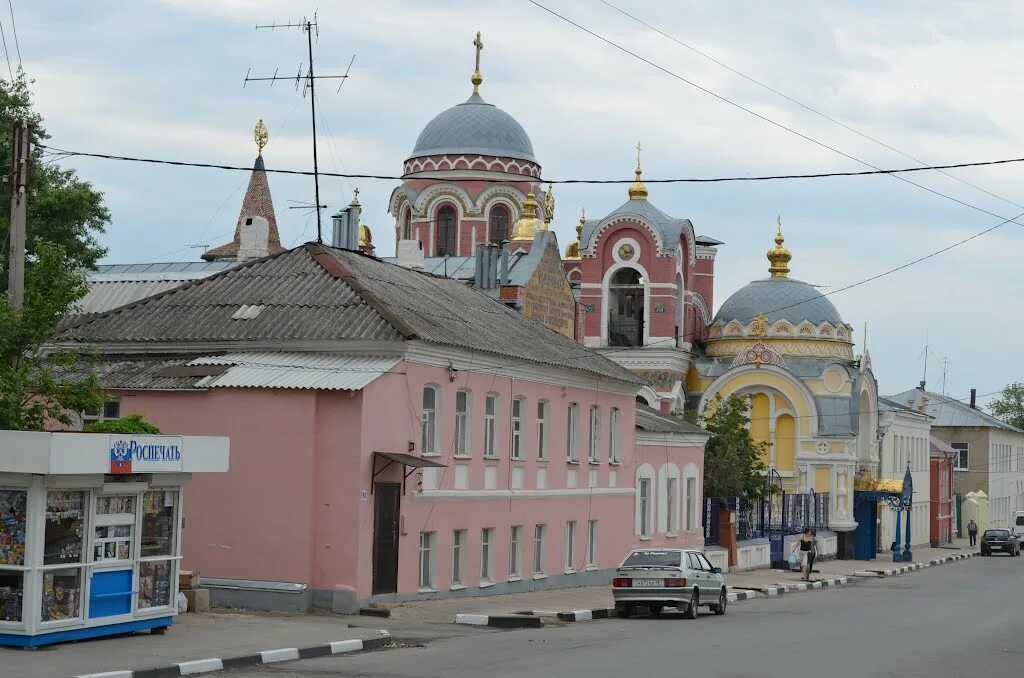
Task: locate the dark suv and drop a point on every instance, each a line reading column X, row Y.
column 999, row 541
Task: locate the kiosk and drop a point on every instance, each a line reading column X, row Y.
column 90, row 531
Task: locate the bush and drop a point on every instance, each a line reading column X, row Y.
column 133, row 423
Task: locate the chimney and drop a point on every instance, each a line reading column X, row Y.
column 254, row 235
column 346, row 226
column 974, row 398
column 920, row 386
column 486, row 266
column 410, row 254
column 504, row 264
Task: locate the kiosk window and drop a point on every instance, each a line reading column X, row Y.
column 62, row 594
column 11, row 588
column 158, row 522
column 155, row 584
column 12, row 528
column 64, row 527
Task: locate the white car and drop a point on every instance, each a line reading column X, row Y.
column 660, row 578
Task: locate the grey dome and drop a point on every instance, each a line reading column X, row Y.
column 778, row 298
column 474, row 126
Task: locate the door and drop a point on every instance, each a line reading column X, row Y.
column 865, row 541
column 387, row 498
column 709, row 583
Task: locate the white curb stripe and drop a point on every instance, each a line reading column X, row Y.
column 282, row 655
column 583, row 615
column 108, row 674
column 200, row 666
column 471, row 619
column 340, row 646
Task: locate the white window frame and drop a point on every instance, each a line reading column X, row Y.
column 486, row 556
column 594, row 444
column 644, row 503
column 492, row 403
column 543, row 411
column 515, row 551
column 591, row 543
column 518, row 405
column 429, row 433
column 464, row 423
column 671, row 504
column 572, row 433
column 570, row 546
column 691, row 503
column 613, row 436
column 458, row 557
column 427, row 574
column 962, row 450
column 539, row 533
column 101, row 414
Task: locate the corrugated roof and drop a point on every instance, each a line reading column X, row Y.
column 315, row 293
column 650, row 419
column 322, row 371
column 168, row 270
column 949, row 411
column 940, row 448
column 105, row 295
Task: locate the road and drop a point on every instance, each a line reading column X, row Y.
column 961, row 619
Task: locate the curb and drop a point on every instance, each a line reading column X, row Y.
column 586, row 615
column 746, row 594
column 191, row 668
column 501, row 621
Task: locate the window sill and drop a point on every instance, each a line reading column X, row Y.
column 671, row 535
column 594, row 462
column 543, row 460
column 614, row 462
column 569, row 572
column 427, row 590
column 591, row 568
column 514, row 578
column 486, row 584
column 645, row 537
column 461, row 456
column 574, row 462
column 518, row 460
column 456, row 587
column 540, row 576
column 491, row 457
column 430, row 454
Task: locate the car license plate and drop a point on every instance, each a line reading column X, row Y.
column 648, row 583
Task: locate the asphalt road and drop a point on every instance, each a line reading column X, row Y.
column 960, row 619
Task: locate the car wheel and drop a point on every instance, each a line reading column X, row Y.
column 723, row 599
column 691, row 611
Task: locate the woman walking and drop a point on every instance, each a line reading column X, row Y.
column 803, row 548
column 812, row 555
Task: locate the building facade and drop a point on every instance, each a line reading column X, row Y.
column 905, row 435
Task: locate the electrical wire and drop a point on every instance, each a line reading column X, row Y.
column 4, row 38
column 14, row 28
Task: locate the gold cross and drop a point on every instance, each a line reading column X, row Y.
column 638, row 149
column 477, row 78
column 479, row 44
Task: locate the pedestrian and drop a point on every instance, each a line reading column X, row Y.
column 812, row 555
column 972, row 531
column 803, row 547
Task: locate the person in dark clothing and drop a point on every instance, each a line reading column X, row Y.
column 804, row 546
column 813, row 554
column 972, row 531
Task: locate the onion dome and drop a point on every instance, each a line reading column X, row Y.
column 638, row 191
column 365, row 236
column 528, row 225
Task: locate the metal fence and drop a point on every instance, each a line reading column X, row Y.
column 785, row 513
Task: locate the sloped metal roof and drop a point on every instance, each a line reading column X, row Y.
column 280, row 369
column 949, row 411
column 654, row 421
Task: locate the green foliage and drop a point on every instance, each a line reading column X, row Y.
column 37, row 386
column 733, row 465
column 1009, row 406
column 133, row 423
column 62, row 209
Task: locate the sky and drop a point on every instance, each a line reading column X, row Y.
column 938, row 81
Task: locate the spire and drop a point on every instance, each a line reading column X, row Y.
column 638, row 191
column 477, row 79
column 779, row 256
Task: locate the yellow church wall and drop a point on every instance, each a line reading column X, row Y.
column 785, row 443
column 760, row 418
column 822, row 479
column 765, row 378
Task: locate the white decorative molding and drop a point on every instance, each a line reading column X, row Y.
column 459, row 495
column 591, row 246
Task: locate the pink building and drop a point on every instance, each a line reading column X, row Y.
column 395, row 435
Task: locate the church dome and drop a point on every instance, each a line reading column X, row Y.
column 477, row 127
column 778, row 298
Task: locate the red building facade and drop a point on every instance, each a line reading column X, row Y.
column 941, row 516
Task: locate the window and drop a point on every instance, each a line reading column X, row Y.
column 671, row 505
column 961, row 458
column 691, row 503
column 458, row 555
column 517, row 428
column 515, row 554
column 427, row 560
column 14, row 510
column 486, row 537
column 428, row 426
column 446, row 229
column 591, row 543
column 538, row 548
column 626, row 308
column 111, row 409
column 463, row 424
column 542, row 429
column 644, row 492
column 407, row 225
column 570, row 545
column 158, row 520
column 572, row 433
column 491, row 425
column 63, row 544
column 499, row 220
column 613, row 436
column 595, row 432
column 115, row 521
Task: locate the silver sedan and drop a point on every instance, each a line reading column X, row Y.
column 660, row 578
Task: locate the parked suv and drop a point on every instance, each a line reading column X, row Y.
column 1018, row 525
column 660, row 578
column 999, row 541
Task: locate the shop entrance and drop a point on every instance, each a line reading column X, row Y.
column 387, row 497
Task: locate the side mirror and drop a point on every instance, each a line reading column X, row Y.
column 716, row 570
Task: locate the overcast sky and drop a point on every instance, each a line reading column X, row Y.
column 938, row 81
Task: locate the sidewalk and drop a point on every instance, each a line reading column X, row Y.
column 191, row 637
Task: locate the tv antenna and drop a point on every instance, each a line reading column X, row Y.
column 307, row 79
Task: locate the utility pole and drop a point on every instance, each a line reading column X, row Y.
column 308, row 81
column 945, row 370
column 19, row 210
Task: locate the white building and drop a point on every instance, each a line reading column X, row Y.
column 905, row 435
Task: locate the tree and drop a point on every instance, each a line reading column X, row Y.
column 40, row 386
column 1009, row 406
column 62, row 209
column 133, row 423
column 733, row 461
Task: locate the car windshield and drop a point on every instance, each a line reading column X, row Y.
column 997, row 534
column 1020, row 520
column 653, row 559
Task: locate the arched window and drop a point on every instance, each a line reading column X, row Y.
column 407, row 225
column 626, row 308
column 446, row 227
column 499, row 224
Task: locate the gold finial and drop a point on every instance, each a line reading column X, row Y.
column 549, row 204
column 638, row 191
column 583, row 220
column 779, row 256
column 261, row 135
column 527, row 226
column 760, row 325
column 355, row 198
column 477, row 79
column 572, row 250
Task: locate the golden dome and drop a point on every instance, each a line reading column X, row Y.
column 572, row 250
column 638, row 191
column 779, row 256
column 528, row 225
column 365, row 236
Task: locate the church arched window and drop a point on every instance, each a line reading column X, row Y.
column 626, row 308
column 447, row 224
column 407, row 225
column 499, row 224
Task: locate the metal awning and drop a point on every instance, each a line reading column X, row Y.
column 411, row 462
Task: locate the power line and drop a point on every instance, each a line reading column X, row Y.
column 803, row 105
column 4, row 38
column 14, row 28
column 754, row 113
column 539, row 180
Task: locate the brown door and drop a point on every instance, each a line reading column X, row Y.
column 387, row 497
